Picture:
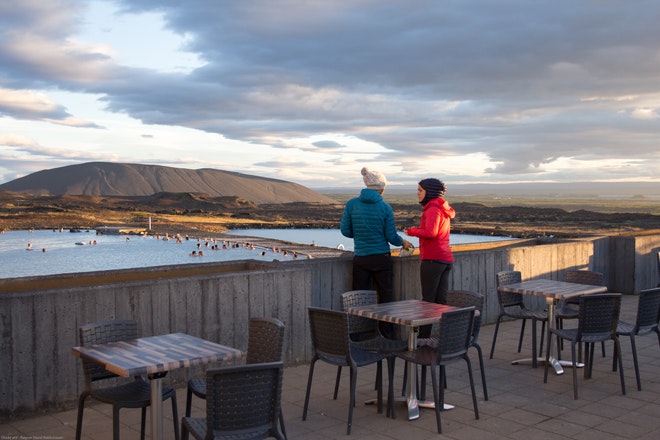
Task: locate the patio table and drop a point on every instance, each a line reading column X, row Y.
column 154, row 356
column 410, row 313
column 553, row 291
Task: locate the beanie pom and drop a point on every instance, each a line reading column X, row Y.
column 373, row 179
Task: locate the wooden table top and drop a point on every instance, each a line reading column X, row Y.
column 155, row 354
column 552, row 288
column 411, row 312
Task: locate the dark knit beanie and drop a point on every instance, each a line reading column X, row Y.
column 434, row 188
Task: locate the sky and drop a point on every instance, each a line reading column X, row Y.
column 311, row 91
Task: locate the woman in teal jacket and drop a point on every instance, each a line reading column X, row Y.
column 369, row 221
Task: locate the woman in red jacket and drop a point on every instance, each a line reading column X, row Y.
column 434, row 249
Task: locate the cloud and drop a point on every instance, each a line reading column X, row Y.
column 26, row 104
column 521, row 85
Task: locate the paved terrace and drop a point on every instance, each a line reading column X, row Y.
column 521, row 406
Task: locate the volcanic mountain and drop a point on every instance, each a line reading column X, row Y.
column 122, row 179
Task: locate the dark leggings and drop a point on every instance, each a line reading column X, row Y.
column 376, row 270
column 434, row 276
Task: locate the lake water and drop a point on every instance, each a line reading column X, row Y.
column 332, row 238
column 54, row 252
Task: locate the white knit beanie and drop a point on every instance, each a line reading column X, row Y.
column 373, row 179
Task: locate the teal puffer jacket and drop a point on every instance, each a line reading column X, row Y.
column 369, row 221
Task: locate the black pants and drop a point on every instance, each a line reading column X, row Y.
column 434, row 277
column 376, row 271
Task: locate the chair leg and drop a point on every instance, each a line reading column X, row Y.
column 379, row 387
column 497, row 327
column 379, row 375
column 175, row 416
column 309, row 387
column 390, row 387
column 522, row 333
column 437, row 389
column 282, row 428
column 592, row 351
column 542, row 338
column 546, row 363
column 588, row 358
column 617, row 349
column 351, row 402
column 184, row 431
column 143, row 423
column 188, row 402
column 533, row 343
column 334, row 395
column 483, row 371
column 81, row 408
column 422, row 384
column 115, row 424
column 575, row 390
column 633, row 345
column 474, row 393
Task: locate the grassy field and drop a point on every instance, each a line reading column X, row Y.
column 633, row 204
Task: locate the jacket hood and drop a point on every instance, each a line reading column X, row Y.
column 370, row 196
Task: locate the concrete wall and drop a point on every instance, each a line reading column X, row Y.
column 39, row 318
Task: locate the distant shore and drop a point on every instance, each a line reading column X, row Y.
column 174, row 216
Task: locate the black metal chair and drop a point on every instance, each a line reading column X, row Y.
column 265, row 341
column 569, row 308
column 597, row 322
column 513, row 306
column 332, row 344
column 464, row 298
column 242, row 402
column 454, row 339
column 364, row 332
column 135, row 393
column 646, row 322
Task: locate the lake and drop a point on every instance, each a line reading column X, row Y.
column 332, row 238
column 54, row 252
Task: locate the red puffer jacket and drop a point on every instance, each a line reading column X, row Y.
column 433, row 231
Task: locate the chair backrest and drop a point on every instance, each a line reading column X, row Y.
column 508, row 299
column 465, row 298
column 265, row 340
column 357, row 325
column 648, row 310
column 243, row 400
column 455, row 332
column 598, row 316
column 329, row 329
column 585, row 277
column 101, row 333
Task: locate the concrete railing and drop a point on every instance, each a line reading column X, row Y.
column 39, row 317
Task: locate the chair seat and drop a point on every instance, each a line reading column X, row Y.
column 540, row 315
column 131, row 395
column 571, row 335
column 382, row 345
column 198, row 387
column 425, row 355
column 625, row 328
column 197, row 428
column 566, row 312
column 363, row 357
